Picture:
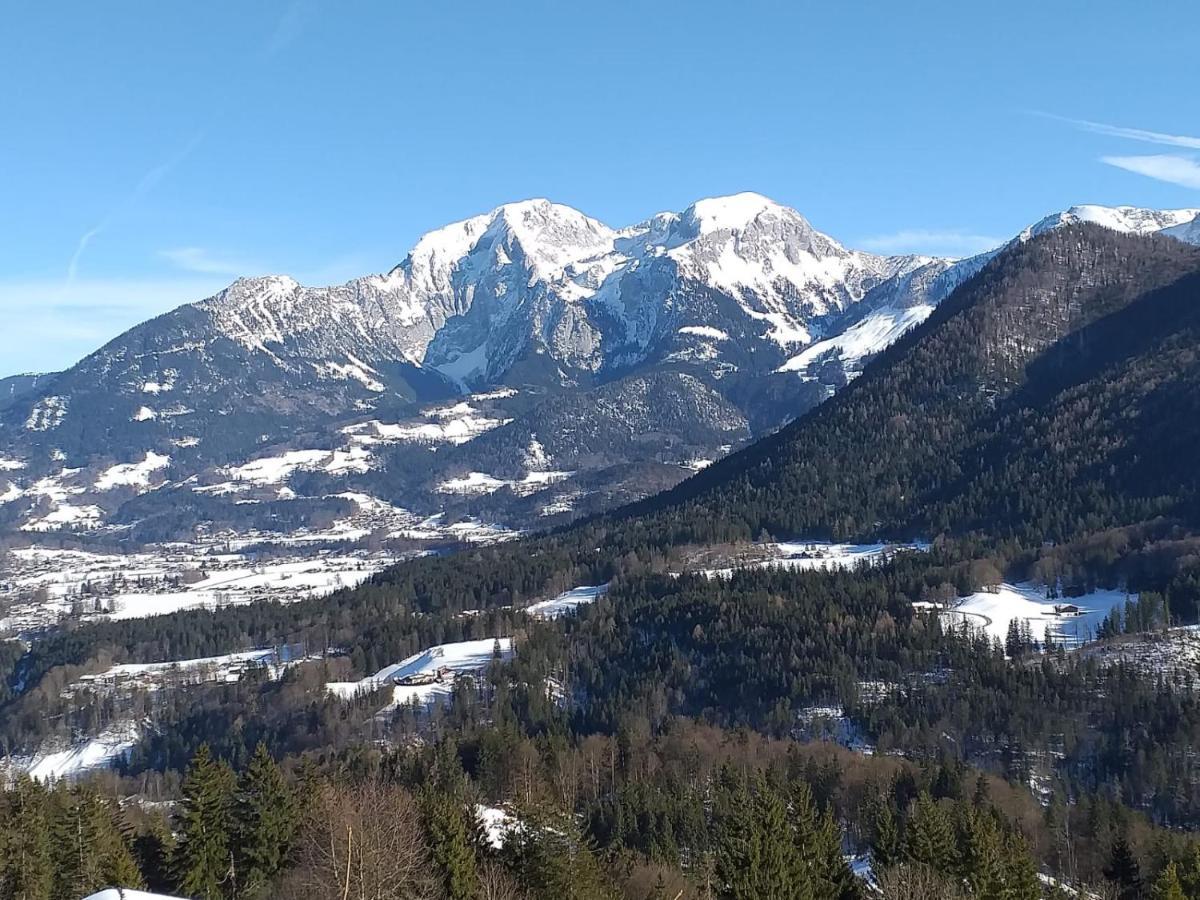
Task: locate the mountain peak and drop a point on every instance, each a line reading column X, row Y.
column 1129, row 219
column 734, row 212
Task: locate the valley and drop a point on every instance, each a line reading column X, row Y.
column 964, row 519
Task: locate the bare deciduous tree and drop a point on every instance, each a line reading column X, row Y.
column 916, row 882
column 496, row 884
column 363, row 843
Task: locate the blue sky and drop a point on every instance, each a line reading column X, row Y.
column 151, row 152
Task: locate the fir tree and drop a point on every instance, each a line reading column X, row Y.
column 835, row 880
column 1123, row 870
column 27, row 873
column 203, row 866
column 153, row 849
column 983, row 865
column 266, row 820
column 886, row 849
column 1168, row 886
column 929, row 839
column 1021, row 873
column 450, row 842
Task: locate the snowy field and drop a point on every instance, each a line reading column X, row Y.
column 39, row 586
column 230, row 667
column 483, row 483
column 567, row 602
column 992, row 611
column 437, row 666
column 814, row 555
column 296, row 580
column 99, row 752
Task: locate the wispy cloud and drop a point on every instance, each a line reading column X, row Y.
column 147, row 183
column 935, row 242
column 1173, row 168
column 198, row 259
column 1133, row 134
column 1181, row 170
column 289, row 26
column 51, row 327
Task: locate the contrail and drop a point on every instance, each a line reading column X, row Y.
column 1133, row 134
column 145, row 185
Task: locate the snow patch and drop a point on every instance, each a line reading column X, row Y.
column 705, row 331
column 132, row 474
column 483, row 483
column 865, row 338
column 354, row 369
column 429, row 675
column 99, row 752
column 991, row 611
column 567, row 602
column 46, row 414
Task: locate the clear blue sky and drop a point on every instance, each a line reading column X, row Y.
column 150, row 152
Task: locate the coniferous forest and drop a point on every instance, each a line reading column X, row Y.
column 771, row 732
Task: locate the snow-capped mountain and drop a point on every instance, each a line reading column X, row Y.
column 1128, row 219
column 476, row 299
column 1188, row 232
column 577, row 348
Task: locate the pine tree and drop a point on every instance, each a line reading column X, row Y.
column 1168, row 886
column 1012, row 640
column 781, row 867
column 265, row 815
column 1190, row 875
column 887, row 847
column 834, row 878
column 982, row 864
column 1021, row 873
column 929, row 839
column 153, row 849
column 104, row 851
column 552, row 858
column 757, row 853
column 1123, row 870
column 27, row 872
column 450, row 842
column 202, row 860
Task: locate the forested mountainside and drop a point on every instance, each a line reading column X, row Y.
column 1049, row 397
column 15, row 386
column 533, row 321
column 500, row 376
column 671, row 736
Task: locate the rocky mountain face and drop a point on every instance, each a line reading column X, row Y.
column 521, row 366
column 1052, row 396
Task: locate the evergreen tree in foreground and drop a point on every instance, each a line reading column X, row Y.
column 203, row 863
column 265, row 810
column 451, row 842
column 1124, row 871
column 929, row 839
column 27, row 872
column 1168, row 886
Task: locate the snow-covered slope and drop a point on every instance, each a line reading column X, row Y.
column 640, row 347
column 1188, row 232
column 1129, row 219
column 907, row 299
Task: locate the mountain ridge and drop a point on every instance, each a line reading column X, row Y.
column 737, row 301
